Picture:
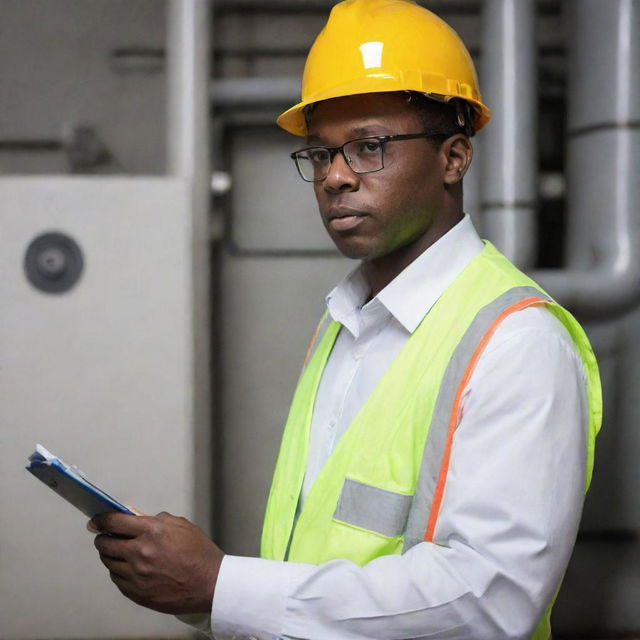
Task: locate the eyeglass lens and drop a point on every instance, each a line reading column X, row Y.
column 363, row 156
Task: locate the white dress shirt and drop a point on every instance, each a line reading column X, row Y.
column 513, row 497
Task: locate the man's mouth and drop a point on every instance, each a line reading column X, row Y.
column 344, row 218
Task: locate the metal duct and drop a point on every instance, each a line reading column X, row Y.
column 508, row 146
column 603, row 275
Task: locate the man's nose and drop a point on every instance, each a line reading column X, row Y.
column 340, row 177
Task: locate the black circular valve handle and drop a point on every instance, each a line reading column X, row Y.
column 53, row 262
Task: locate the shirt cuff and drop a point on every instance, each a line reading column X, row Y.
column 251, row 596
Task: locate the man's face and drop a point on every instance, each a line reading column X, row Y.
column 372, row 215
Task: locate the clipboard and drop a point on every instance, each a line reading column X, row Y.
column 71, row 484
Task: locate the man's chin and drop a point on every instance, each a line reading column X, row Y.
column 354, row 253
column 351, row 246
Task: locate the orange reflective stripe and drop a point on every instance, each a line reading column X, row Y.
column 314, row 338
column 455, row 410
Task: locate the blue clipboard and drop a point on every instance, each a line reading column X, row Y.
column 71, row 484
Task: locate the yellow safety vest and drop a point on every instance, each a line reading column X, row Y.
column 381, row 489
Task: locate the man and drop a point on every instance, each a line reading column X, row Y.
column 433, row 466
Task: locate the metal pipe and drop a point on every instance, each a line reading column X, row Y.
column 508, row 145
column 259, row 92
column 188, row 88
column 188, row 161
column 603, row 276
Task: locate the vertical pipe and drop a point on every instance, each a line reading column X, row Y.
column 508, row 145
column 604, row 155
column 603, row 145
column 188, row 84
column 188, row 160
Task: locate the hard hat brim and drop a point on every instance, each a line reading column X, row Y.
column 293, row 120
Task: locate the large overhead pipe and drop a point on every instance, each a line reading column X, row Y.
column 603, row 249
column 508, row 144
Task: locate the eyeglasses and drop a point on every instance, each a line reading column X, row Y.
column 364, row 155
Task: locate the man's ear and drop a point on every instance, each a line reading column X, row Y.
column 457, row 154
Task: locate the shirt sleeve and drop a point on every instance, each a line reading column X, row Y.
column 507, row 523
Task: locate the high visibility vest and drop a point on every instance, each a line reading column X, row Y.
column 381, row 489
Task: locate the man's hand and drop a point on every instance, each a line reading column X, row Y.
column 161, row 562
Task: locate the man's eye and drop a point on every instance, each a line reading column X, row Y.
column 369, row 146
column 318, row 155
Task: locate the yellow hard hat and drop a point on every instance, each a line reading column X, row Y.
column 370, row 46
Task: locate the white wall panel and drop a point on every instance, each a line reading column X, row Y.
column 102, row 376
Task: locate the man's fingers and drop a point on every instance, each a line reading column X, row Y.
column 136, row 510
column 116, row 567
column 119, row 524
column 91, row 527
column 125, row 586
column 163, row 562
column 113, row 547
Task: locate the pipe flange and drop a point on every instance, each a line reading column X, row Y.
column 53, row 263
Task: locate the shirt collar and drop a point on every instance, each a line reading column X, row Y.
column 346, row 300
column 410, row 295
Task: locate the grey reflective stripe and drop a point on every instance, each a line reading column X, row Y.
column 371, row 508
column 437, row 436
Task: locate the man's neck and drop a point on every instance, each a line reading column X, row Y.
column 379, row 272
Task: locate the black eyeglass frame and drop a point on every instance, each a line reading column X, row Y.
column 381, row 139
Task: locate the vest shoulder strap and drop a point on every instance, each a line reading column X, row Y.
column 427, row 500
